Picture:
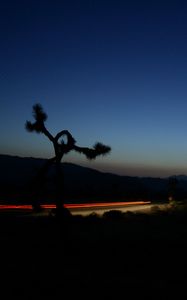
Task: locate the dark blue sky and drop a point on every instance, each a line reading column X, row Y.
column 109, row 71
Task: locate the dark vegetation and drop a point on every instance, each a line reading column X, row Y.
column 119, row 254
column 61, row 148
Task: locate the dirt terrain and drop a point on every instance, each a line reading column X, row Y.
column 134, row 254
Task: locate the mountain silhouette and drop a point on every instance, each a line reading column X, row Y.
column 81, row 184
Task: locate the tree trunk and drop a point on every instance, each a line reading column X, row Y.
column 38, row 184
column 59, row 189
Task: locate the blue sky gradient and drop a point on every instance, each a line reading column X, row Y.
column 109, row 71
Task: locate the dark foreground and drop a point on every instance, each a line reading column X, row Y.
column 117, row 256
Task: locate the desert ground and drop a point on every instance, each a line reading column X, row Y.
column 129, row 254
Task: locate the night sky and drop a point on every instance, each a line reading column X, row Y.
column 108, row 71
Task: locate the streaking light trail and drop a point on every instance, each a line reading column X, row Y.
column 74, row 206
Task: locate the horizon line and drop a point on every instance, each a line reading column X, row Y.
column 99, row 169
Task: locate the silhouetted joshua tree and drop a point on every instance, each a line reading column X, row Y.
column 60, row 148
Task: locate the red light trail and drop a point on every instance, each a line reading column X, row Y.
column 74, row 206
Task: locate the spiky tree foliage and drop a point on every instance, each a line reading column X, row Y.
column 92, row 153
column 61, row 148
column 40, row 117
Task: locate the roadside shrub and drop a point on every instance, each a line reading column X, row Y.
column 155, row 209
column 113, row 214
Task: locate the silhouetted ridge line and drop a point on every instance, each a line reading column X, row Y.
column 81, row 184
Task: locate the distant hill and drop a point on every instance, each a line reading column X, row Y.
column 180, row 177
column 81, row 184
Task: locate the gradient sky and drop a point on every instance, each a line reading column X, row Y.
column 110, row 71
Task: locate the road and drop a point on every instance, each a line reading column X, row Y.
column 100, row 210
column 89, row 208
